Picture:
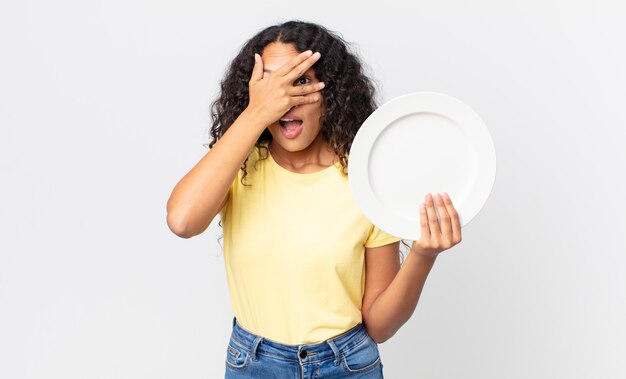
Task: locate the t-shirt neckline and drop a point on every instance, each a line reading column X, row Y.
column 300, row 175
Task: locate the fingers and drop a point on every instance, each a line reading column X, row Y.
column 297, row 70
column 293, row 63
column 433, row 222
column 425, row 229
column 438, row 234
column 301, row 100
column 275, row 93
column 257, row 71
column 306, row 89
column 444, row 220
column 454, row 218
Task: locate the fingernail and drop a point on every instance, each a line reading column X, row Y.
column 428, row 198
column 445, row 194
column 321, row 85
column 317, row 54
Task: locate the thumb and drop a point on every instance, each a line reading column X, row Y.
column 257, row 71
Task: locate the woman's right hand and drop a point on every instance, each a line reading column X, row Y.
column 271, row 95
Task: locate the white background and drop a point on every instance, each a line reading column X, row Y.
column 104, row 107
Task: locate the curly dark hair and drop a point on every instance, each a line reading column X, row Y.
column 349, row 95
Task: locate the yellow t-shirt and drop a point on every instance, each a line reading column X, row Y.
column 294, row 249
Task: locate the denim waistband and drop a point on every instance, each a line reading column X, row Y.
column 305, row 353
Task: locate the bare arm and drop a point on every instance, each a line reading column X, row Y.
column 198, row 196
column 392, row 293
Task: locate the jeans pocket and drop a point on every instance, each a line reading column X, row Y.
column 236, row 356
column 362, row 358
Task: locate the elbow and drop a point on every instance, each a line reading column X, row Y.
column 379, row 337
column 378, row 334
column 379, row 340
column 184, row 226
column 178, row 226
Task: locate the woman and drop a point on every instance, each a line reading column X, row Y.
column 314, row 285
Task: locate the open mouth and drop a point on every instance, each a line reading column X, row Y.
column 290, row 127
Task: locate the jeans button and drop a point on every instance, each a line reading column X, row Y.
column 303, row 354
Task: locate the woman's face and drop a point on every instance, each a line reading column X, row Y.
column 299, row 128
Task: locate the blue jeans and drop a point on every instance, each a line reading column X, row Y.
column 352, row 354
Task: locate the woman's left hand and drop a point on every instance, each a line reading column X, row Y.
column 437, row 236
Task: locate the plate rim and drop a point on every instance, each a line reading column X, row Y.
column 384, row 116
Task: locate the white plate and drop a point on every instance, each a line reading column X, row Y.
column 424, row 142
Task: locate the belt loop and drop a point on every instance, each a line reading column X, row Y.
column 255, row 346
column 332, row 345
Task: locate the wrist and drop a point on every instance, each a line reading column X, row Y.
column 255, row 118
column 420, row 262
column 424, row 255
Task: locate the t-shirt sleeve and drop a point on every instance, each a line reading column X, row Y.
column 378, row 238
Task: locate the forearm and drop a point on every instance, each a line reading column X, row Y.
column 197, row 197
column 394, row 306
